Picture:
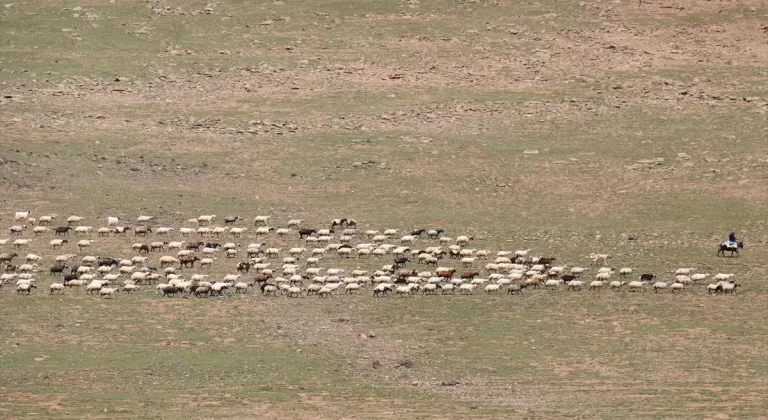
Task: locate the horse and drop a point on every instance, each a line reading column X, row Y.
column 724, row 247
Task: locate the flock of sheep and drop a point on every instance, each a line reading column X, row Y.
column 303, row 270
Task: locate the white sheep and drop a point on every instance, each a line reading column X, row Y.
column 635, row 285
column 466, row 289
column 83, row 230
column 552, row 284
column 19, row 243
column 603, row 276
column 56, row 287
column 492, row 288
column 186, row 231
column 294, row 223
column 575, row 285
column 25, row 287
column 596, row 285
column 21, row 215
column 522, row 252
column 577, row 271
column 723, row 276
column 659, row 285
column 241, row 287
column 390, row 232
column 112, row 221
column 130, row 288
column 625, row 271
column 463, row 240
column 699, row 276
column 163, row 231
column 39, row 230
column 351, row 287
column 617, row 284
column 205, row 219
column 684, row 271
column 107, row 292
column 467, row 261
column 676, row 287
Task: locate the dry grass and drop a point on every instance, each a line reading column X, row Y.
column 399, row 114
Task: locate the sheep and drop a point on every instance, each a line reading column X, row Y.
column 575, row 285
column 635, row 285
column 723, row 276
column 218, row 231
column 390, row 232
column 698, row 276
column 351, row 287
column 21, row 215
column 56, row 287
column 463, row 240
column 294, row 223
column 95, row 285
column 45, row 220
column 382, row 289
column 466, row 289
column 39, row 230
column 603, row 276
column 19, row 243
column 263, row 231
column 294, row 292
column 625, row 271
column 596, row 285
column 83, row 230
column 25, row 268
column 556, row 271
column 659, row 285
column 107, row 292
column 241, row 287
column 33, row 258
column 205, row 219
column 617, row 284
column 296, row 252
column 730, row 287
column 428, row 289
column 715, row 287
column 261, row 220
column 186, row 231
column 85, row 243
column 25, row 287
column 166, row 260
column 144, row 219
column 552, row 284
column 231, row 277
column 163, row 231
column 683, row 271
column 404, row 290
column 130, row 288
column 578, row 271
column 112, row 221
column 676, row 287
column 492, row 288
column 467, row 261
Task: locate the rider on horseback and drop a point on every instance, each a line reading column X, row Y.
column 732, row 240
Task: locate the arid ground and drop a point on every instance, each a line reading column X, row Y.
column 635, row 128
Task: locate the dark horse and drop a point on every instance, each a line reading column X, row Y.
column 723, row 248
